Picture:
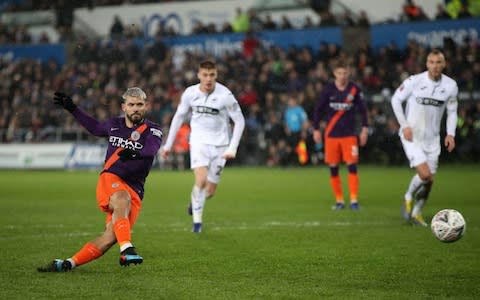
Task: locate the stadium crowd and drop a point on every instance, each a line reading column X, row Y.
column 263, row 82
column 268, row 81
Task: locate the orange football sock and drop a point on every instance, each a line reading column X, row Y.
column 88, row 253
column 122, row 231
column 353, row 186
column 336, row 184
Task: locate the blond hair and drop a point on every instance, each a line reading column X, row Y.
column 134, row 92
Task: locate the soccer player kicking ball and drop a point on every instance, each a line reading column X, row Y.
column 133, row 142
column 340, row 101
column 428, row 94
column 211, row 105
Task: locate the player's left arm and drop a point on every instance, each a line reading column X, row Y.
column 452, row 105
column 362, row 109
column 153, row 141
column 235, row 113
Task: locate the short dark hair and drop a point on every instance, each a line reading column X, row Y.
column 340, row 63
column 436, row 51
column 207, row 64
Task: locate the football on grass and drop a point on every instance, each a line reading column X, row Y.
column 448, row 225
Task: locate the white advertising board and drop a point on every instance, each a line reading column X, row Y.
column 34, row 156
column 52, row 156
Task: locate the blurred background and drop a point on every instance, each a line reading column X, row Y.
column 273, row 55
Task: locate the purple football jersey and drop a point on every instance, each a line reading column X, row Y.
column 133, row 172
column 339, row 108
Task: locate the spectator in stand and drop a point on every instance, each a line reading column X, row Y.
column 363, row 20
column 285, row 23
column 464, row 11
column 308, row 23
column 226, row 28
column 269, row 24
column 412, row 12
column 327, row 19
column 64, row 14
column 158, row 50
column 249, row 44
column 256, row 24
column 441, row 13
column 248, row 97
column 116, row 30
column 346, row 20
column 241, row 22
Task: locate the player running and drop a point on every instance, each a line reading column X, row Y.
column 427, row 94
column 211, row 105
column 133, row 142
column 341, row 100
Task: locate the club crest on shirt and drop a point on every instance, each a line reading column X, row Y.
column 115, row 185
column 135, row 135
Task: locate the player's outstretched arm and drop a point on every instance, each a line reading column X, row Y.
column 64, row 101
column 91, row 124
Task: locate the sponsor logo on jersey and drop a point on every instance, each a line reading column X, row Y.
column 206, row 110
column 117, row 141
column 428, row 101
column 340, row 105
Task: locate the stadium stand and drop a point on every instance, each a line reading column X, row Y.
column 99, row 69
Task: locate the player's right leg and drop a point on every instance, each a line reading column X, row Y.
column 198, row 197
column 336, row 184
column 413, row 187
column 122, row 205
column 412, row 204
column 333, row 159
column 422, row 193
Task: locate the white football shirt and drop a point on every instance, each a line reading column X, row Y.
column 426, row 103
column 211, row 113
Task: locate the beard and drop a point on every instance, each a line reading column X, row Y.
column 135, row 117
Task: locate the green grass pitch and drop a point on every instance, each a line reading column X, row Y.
column 268, row 234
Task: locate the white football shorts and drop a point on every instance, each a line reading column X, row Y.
column 210, row 156
column 418, row 153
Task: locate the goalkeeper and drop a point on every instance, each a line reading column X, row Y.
column 133, row 142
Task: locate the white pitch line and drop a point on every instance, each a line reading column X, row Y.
column 177, row 227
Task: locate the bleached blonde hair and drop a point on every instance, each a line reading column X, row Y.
column 134, row 92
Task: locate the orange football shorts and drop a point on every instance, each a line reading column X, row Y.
column 343, row 149
column 107, row 185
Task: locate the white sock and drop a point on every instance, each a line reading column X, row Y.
column 417, row 208
column 198, row 202
column 415, row 183
column 125, row 246
column 72, row 262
